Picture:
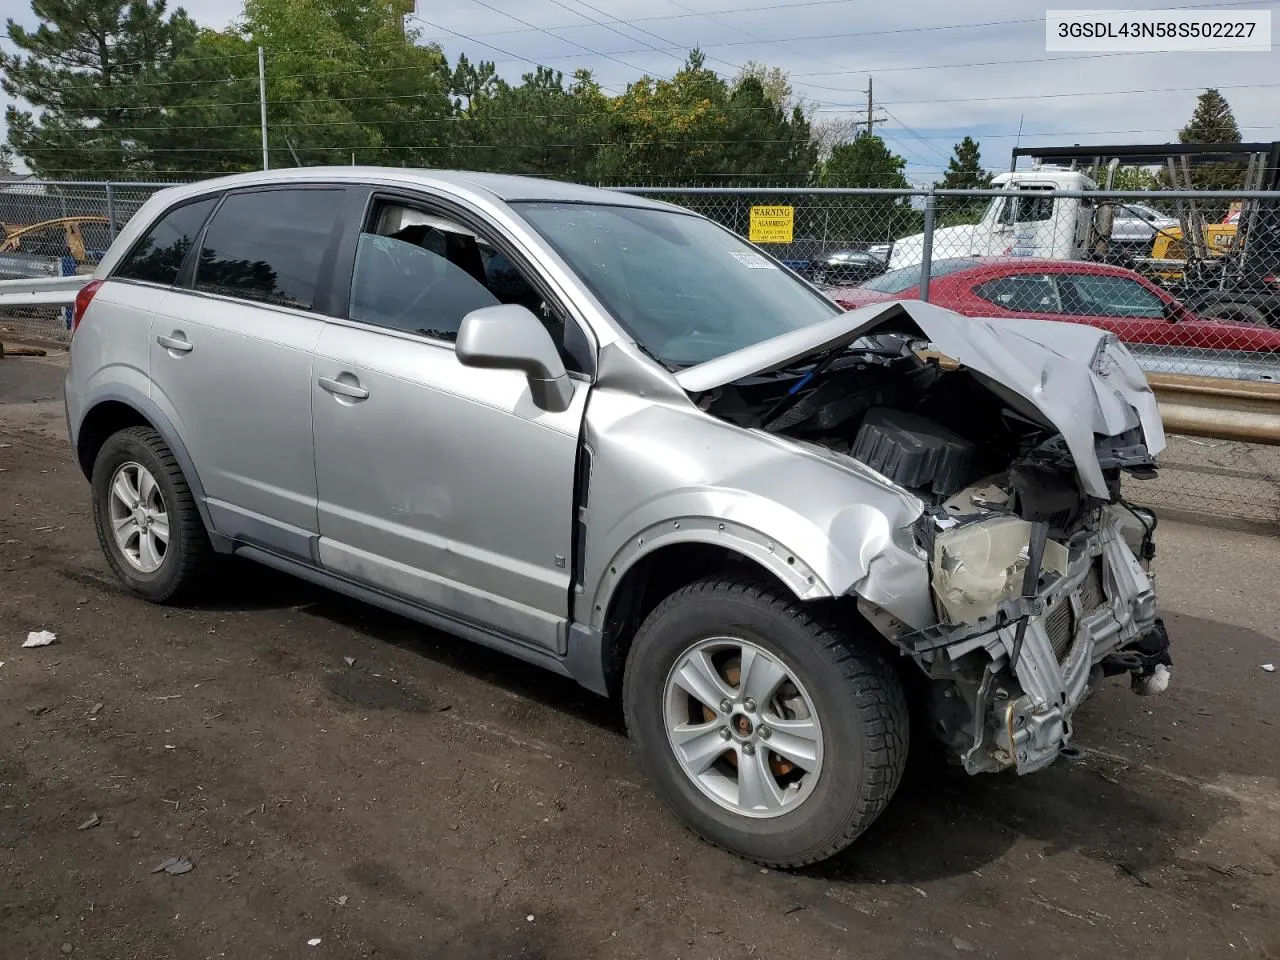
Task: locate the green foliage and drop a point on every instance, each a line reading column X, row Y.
column 964, row 172
column 1213, row 122
column 123, row 88
column 865, row 161
column 94, row 72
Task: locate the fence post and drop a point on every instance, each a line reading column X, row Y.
column 111, row 210
column 926, row 253
column 67, row 267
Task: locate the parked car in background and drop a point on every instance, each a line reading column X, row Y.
column 1135, row 225
column 37, row 250
column 1126, row 303
column 846, row 266
column 609, row 437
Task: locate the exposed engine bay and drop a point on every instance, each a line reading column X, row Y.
column 1040, row 588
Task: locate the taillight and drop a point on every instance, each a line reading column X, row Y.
column 83, row 298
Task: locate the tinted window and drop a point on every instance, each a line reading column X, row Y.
column 1027, row 294
column 402, row 285
column 158, row 256
column 1101, row 296
column 268, row 246
column 896, row 281
column 687, row 290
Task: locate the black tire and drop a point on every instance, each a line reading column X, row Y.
column 189, row 552
column 857, row 696
column 1237, row 313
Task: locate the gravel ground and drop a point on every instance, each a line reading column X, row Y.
column 434, row 800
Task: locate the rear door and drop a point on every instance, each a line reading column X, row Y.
column 231, row 357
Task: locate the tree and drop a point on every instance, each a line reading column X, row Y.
column 344, row 83
column 94, row 71
column 1213, row 122
column 867, row 162
column 773, row 81
column 6, row 161
column 964, row 172
column 541, row 127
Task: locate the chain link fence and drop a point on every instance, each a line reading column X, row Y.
column 55, row 229
column 1190, row 281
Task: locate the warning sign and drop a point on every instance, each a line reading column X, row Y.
column 772, row 224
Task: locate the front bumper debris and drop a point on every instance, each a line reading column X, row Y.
column 1099, row 618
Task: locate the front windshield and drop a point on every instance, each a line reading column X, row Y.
column 685, row 288
column 904, row 278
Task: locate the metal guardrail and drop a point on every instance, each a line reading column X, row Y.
column 1221, row 409
column 41, row 291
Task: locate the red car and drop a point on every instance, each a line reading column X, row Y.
column 1128, row 304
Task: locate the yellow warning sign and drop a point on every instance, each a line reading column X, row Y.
column 772, row 224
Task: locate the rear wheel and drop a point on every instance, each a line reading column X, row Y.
column 1235, row 313
column 146, row 517
column 768, row 731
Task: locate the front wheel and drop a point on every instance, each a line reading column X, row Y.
column 1236, row 313
column 768, row 731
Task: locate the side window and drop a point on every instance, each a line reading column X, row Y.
column 423, row 274
column 1025, row 294
column 1102, row 296
column 1034, row 206
column 158, row 256
column 268, row 246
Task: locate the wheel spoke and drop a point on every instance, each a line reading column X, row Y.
column 699, row 678
column 124, row 490
column 146, row 486
column 699, row 744
column 795, row 740
column 761, row 676
column 148, row 556
column 127, row 532
column 124, row 526
column 757, row 790
column 160, row 527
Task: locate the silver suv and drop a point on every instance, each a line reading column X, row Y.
column 609, row 437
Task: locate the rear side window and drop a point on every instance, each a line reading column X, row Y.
column 1022, row 294
column 158, row 256
column 268, row 246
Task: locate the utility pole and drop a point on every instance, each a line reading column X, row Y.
column 262, row 106
column 872, row 119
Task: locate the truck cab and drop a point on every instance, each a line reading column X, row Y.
column 1029, row 222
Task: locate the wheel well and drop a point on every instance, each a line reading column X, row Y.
column 107, row 418
column 655, row 577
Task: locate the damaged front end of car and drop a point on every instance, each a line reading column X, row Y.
column 1014, row 438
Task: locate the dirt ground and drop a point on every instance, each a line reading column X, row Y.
column 433, row 800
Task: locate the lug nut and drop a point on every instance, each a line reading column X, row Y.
column 749, row 749
column 725, row 706
column 724, row 733
column 765, row 733
column 749, row 705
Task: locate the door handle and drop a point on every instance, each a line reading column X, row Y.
column 175, row 344
column 341, row 388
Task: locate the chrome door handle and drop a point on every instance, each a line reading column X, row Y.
column 173, row 343
column 342, row 389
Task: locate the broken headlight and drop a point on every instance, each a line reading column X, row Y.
column 979, row 565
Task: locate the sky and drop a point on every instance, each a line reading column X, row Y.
column 941, row 68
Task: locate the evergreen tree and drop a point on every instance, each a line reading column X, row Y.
column 867, row 162
column 964, row 172
column 1213, row 122
column 95, row 72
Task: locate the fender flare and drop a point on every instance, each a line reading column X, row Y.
column 150, row 411
column 772, row 555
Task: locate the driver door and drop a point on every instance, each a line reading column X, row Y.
column 440, row 484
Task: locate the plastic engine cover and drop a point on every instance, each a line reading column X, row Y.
column 913, row 451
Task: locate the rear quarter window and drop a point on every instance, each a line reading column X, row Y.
column 267, row 245
column 158, row 256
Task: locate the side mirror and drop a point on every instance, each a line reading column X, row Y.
column 510, row 337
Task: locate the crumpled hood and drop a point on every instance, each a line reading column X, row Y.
column 1078, row 378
